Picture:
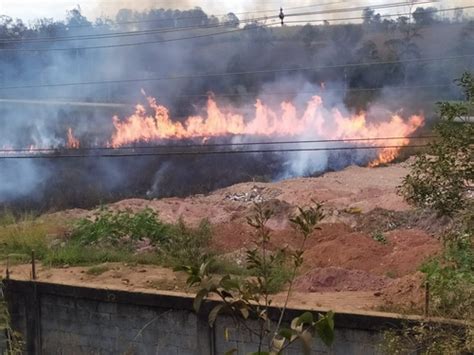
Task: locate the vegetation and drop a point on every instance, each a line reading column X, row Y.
column 249, row 298
column 451, row 275
column 14, row 342
column 97, row 270
column 427, row 339
column 108, row 237
column 440, row 178
column 379, row 237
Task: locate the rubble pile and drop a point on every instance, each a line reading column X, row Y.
column 254, row 195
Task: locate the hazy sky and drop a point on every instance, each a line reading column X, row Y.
column 31, row 9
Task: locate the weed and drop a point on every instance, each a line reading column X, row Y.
column 379, row 237
column 97, row 270
column 223, row 266
column 14, row 342
column 6, row 217
column 429, row 339
column 187, row 245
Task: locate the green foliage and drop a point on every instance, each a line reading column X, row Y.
column 6, row 217
column 14, row 342
column 187, row 245
column 379, row 237
column 451, row 276
column 120, row 236
column 245, row 298
column 440, row 178
column 110, row 227
column 141, row 236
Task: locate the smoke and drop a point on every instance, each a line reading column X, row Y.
column 20, row 179
column 85, row 182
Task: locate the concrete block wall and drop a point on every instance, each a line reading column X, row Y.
column 60, row 319
column 78, row 326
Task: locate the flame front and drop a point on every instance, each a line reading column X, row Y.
column 72, row 142
column 315, row 121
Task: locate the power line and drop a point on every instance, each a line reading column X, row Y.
column 215, row 152
column 383, row 16
column 71, row 102
column 203, row 35
column 186, row 28
column 123, row 34
column 210, row 145
column 131, row 44
column 264, row 71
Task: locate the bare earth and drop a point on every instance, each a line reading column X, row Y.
column 345, row 267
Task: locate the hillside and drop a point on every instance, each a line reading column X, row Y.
column 369, row 248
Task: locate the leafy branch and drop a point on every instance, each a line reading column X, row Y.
column 250, row 298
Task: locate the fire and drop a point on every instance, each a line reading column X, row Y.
column 72, row 142
column 315, row 121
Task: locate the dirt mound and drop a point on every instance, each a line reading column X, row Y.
column 339, row 279
column 337, row 245
column 406, row 294
column 229, row 237
column 402, row 253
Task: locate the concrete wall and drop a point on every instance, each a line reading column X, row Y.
column 59, row 319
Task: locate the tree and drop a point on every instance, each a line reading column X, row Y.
column 366, row 76
column 425, row 17
column 371, row 19
column 231, row 20
column 458, row 14
column 466, row 39
column 307, row 35
column 251, row 298
column 75, row 18
column 367, row 15
column 441, row 178
column 405, row 48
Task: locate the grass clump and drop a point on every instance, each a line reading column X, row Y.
column 379, row 237
column 19, row 239
column 97, row 270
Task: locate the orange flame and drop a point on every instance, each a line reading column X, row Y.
column 314, row 121
column 72, row 142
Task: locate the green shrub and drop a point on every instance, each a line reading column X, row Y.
column 440, row 178
column 451, row 278
column 379, row 237
column 110, row 227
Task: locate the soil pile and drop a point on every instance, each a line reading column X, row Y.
column 338, row 279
